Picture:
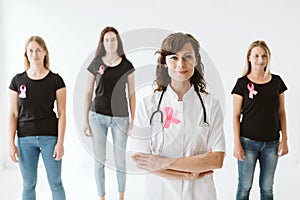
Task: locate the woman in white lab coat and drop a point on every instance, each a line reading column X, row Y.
column 184, row 141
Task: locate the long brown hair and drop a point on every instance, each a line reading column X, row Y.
column 42, row 43
column 172, row 44
column 100, row 52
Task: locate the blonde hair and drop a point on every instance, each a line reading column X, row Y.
column 42, row 43
column 247, row 67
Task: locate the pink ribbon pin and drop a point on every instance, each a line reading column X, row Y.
column 252, row 92
column 170, row 119
column 101, row 70
column 23, row 92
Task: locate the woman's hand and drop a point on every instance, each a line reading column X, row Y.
column 14, row 153
column 58, row 151
column 283, row 148
column 87, row 130
column 239, row 152
column 129, row 128
column 151, row 162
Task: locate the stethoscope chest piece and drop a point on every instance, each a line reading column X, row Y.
column 205, row 124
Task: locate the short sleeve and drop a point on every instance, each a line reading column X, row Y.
column 59, row 82
column 139, row 140
column 13, row 84
column 94, row 66
column 282, row 86
column 130, row 67
column 216, row 140
column 238, row 88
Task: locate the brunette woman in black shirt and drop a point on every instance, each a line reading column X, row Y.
column 111, row 72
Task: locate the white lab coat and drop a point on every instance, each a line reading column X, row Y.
column 184, row 137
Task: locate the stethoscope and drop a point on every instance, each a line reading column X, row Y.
column 159, row 112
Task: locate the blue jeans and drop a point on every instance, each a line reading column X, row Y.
column 99, row 125
column 267, row 155
column 30, row 148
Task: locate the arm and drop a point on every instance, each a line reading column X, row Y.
column 199, row 163
column 88, row 100
column 237, row 107
column 283, row 147
column 132, row 99
column 13, row 120
column 61, row 112
column 193, row 164
column 173, row 174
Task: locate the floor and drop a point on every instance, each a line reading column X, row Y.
column 79, row 183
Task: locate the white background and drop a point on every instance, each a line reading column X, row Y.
column 224, row 29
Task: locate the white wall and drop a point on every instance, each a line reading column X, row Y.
column 224, row 28
column 3, row 112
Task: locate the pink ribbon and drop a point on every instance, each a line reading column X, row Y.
column 101, row 70
column 23, row 91
column 252, row 92
column 170, row 119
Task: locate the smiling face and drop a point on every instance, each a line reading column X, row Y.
column 258, row 58
column 181, row 65
column 35, row 53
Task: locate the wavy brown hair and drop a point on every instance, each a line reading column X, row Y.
column 172, row 44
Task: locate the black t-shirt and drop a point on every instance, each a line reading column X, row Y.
column 110, row 95
column 36, row 103
column 260, row 107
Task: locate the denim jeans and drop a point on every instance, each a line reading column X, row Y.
column 267, row 155
column 30, row 148
column 99, row 125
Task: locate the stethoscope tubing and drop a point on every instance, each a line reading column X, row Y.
column 158, row 111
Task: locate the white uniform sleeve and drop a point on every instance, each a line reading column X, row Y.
column 216, row 139
column 139, row 138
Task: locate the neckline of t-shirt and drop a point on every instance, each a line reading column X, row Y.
column 38, row 79
column 261, row 83
column 115, row 65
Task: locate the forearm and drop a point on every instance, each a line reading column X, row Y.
column 132, row 104
column 12, row 129
column 236, row 129
column 88, row 101
column 282, row 119
column 198, row 163
column 61, row 128
column 173, row 174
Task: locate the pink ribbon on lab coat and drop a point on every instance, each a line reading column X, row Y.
column 252, row 92
column 101, row 70
column 23, row 92
column 169, row 112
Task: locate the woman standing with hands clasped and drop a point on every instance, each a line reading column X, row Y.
column 39, row 130
column 258, row 97
column 110, row 71
column 178, row 133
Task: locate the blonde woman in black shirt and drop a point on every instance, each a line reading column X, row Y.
column 261, row 134
column 40, row 130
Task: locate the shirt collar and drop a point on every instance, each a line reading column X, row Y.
column 187, row 95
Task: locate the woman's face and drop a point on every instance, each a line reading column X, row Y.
column 110, row 42
column 258, row 58
column 35, row 53
column 181, row 65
